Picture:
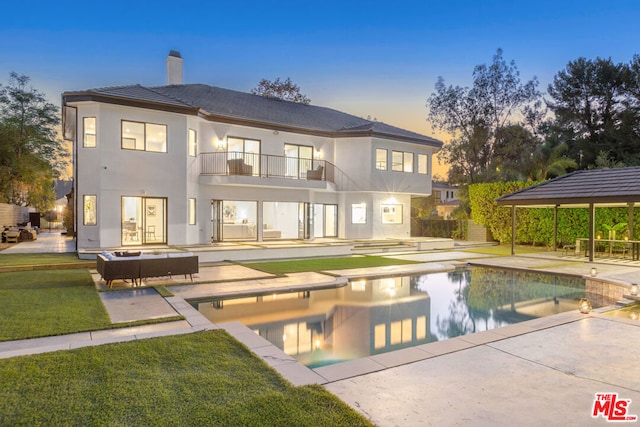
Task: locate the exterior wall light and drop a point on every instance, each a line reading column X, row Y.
column 584, row 306
column 317, row 154
column 220, row 144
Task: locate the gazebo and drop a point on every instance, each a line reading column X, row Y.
column 584, row 188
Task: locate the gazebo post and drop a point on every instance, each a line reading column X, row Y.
column 555, row 228
column 592, row 230
column 513, row 229
column 630, row 221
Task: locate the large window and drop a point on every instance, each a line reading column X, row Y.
column 280, row 220
column 423, row 164
column 144, row 136
column 144, row 220
column 299, row 160
column 239, row 220
column 401, row 161
column 89, row 209
column 392, row 214
column 89, row 129
column 193, row 143
column 359, row 213
column 381, row 159
column 247, row 150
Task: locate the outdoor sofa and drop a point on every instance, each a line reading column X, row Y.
column 138, row 266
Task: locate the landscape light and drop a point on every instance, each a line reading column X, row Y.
column 594, row 272
column 584, row 306
column 634, row 289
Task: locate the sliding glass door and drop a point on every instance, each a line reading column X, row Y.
column 144, row 220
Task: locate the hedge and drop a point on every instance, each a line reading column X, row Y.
column 534, row 226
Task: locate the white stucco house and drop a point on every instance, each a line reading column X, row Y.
column 187, row 164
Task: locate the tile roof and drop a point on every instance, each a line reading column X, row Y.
column 224, row 104
column 620, row 185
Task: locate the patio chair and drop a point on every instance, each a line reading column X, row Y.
column 315, row 174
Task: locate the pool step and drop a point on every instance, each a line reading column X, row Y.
column 628, row 300
column 371, row 247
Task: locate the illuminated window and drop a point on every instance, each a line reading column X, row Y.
column 391, row 214
column 407, row 163
column 193, row 142
column 89, row 210
column 397, row 160
column 401, row 161
column 89, row 124
column 359, row 213
column 396, row 332
column 381, row 159
column 246, row 149
column 296, row 338
column 192, row 211
column 407, row 329
column 144, row 137
column 423, row 164
column 380, row 336
column 421, row 327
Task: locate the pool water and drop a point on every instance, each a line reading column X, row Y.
column 372, row 316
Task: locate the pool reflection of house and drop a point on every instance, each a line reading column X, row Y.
column 362, row 318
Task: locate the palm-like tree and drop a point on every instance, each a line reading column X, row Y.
column 550, row 160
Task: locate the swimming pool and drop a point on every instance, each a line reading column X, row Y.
column 371, row 316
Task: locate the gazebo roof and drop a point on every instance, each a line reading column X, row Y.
column 602, row 186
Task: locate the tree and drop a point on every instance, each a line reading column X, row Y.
column 550, row 157
column 475, row 116
column 596, row 106
column 31, row 154
column 285, row 90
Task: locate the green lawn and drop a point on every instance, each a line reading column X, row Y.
column 49, row 302
column 321, row 264
column 205, row 378
column 37, row 259
column 505, row 250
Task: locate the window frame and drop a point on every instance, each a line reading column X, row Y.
column 359, row 207
column 192, row 218
column 192, row 148
column 395, row 165
column 91, row 209
column 145, row 126
column 393, row 210
column 379, row 165
column 425, row 164
column 85, row 133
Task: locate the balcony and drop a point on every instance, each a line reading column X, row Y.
column 266, row 166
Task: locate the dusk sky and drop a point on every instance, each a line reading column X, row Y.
column 378, row 59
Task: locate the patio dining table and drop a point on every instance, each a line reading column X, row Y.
column 610, row 245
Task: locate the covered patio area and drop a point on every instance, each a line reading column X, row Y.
column 589, row 189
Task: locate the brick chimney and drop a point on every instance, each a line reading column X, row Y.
column 174, row 68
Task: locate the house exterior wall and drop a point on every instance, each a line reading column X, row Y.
column 110, row 173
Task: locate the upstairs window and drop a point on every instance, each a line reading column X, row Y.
column 397, row 161
column 144, row 136
column 401, row 161
column 193, row 143
column 381, row 159
column 423, row 164
column 89, row 129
